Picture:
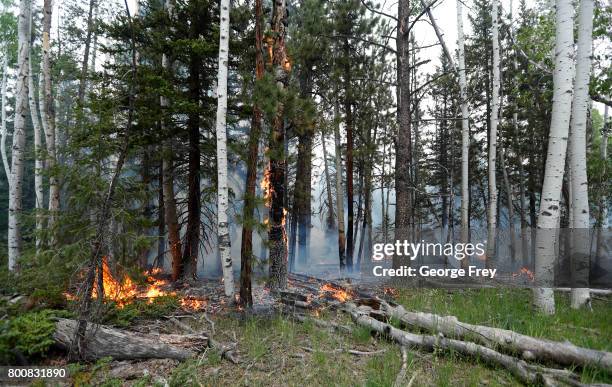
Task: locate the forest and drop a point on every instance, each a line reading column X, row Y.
column 305, row 192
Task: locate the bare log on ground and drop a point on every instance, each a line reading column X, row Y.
column 524, row 372
column 104, row 341
column 530, row 348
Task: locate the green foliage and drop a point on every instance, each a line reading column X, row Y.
column 29, row 334
column 140, row 309
column 186, row 374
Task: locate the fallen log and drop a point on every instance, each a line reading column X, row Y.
column 530, row 348
column 524, row 372
column 104, row 341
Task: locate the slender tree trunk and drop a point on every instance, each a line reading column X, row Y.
column 579, row 185
column 330, row 201
column 192, row 236
column 85, row 63
column 246, row 249
column 161, row 218
column 602, row 222
column 38, row 162
column 49, row 118
column 96, row 260
column 276, row 235
column 348, row 111
column 548, row 217
column 492, row 208
column 465, row 133
column 3, row 132
column 170, row 212
column 19, row 136
column 403, row 151
column 223, row 238
column 339, row 189
column 509, row 198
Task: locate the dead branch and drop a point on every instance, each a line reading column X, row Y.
column 523, row 371
column 563, row 353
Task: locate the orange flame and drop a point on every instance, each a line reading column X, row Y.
column 528, row 273
column 193, row 304
column 335, row 292
column 125, row 292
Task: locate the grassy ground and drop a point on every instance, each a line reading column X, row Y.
column 276, row 351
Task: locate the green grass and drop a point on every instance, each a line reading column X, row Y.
column 277, row 351
column 511, row 309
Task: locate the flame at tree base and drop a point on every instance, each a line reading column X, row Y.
column 125, row 291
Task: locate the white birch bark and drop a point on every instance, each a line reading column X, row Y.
column 578, row 182
column 19, row 137
column 38, row 162
column 3, row 133
column 223, row 237
column 465, row 131
column 548, row 216
column 492, row 205
column 604, row 157
column 49, row 117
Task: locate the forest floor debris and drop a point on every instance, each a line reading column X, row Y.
column 314, row 342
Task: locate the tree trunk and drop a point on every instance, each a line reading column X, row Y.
column 492, row 207
column 403, row 151
column 579, row 185
column 339, row 189
column 103, row 341
column 85, row 63
column 3, row 132
column 38, row 162
column 192, row 234
column 170, row 213
column 49, row 118
column 348, row 111
column 19, row 137
column 548, row 216
column 330, row 200
column 508, row 189
column 246, row 248
column 465, row 133
column 602, row 221
column 276, row 235
column 223, row 238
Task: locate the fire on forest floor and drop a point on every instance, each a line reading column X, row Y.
column 276, row 350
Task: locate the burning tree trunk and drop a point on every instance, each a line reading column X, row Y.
column 246, row 249
column 276, row 233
